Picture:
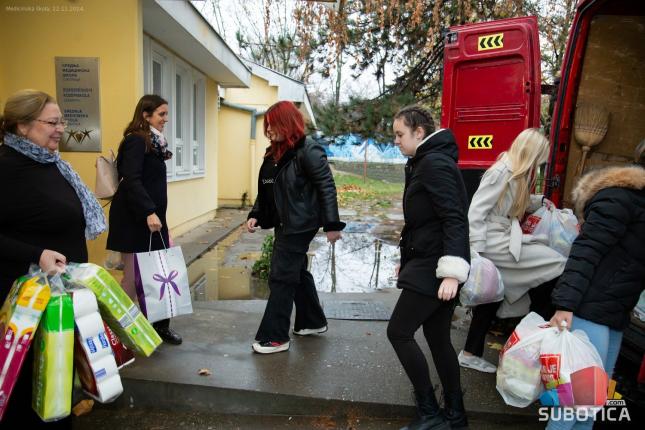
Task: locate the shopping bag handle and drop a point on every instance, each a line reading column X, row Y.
column 162, row 241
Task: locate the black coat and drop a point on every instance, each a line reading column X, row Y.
column 605, row 273
column 434, row 241
column 143, row 190
column 39, row 210
column 304, row 192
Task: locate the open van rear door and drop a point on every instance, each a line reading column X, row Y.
column 491, row 87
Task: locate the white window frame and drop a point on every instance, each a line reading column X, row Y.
column 192, row 113
column 198, row 136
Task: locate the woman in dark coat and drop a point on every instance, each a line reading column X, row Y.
column 138, row 210
column 46, row 215
column 605, row 273
column 435, row 259
column 297, row 196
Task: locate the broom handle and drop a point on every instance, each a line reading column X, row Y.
column 583, row 159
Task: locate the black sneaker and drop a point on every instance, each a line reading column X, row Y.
column 269, row 347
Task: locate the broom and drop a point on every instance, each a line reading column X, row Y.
column 590, row 127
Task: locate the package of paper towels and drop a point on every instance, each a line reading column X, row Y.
column 93, row 356
column 117, row 308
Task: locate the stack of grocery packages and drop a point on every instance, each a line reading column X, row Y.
column 558, row 367
column 79, row 319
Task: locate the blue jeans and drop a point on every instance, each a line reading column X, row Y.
column 607, row 341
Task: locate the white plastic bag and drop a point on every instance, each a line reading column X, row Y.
column 571, row 371
column 518, row 372
column 484, row 283
column 564, row 230
column 556, row 227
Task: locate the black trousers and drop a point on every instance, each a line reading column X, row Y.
column 414, row 310
column 289, row 282
column 483, row 316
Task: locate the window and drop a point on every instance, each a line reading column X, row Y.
column 184, row 87
column 156, row 77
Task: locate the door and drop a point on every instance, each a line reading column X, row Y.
column 491, row 87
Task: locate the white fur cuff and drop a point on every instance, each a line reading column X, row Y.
column 453, row 267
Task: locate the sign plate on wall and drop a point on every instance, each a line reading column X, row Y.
column 77, row 93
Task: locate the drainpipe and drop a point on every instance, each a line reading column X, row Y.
column 254, row 114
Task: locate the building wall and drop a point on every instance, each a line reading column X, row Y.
column 237, row 169
column 193, row 202
column 259, row 95
column 112, row 31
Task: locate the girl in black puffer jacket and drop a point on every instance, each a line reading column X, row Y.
column 605, row 273
column 435, row 258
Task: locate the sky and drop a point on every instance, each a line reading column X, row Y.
column 226, row 25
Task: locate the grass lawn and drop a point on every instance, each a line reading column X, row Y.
column 376, row 193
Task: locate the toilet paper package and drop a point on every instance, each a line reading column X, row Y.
column 118, row 310
column 19, row 318
column 95, row 364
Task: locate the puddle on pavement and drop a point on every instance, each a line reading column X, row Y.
column 363, row 261
column 212, row 277
column 360, row 262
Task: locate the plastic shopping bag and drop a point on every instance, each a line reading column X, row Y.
column 484, row 283
column 564, row 230
column 518, row 372
column 571, row 370
column 538, row 223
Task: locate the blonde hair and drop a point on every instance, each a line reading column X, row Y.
column 22, row 107
column 529, row 149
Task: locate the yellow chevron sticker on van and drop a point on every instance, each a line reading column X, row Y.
column 492, row 41
column 480, row 142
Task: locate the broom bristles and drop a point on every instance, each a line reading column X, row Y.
column 590, row 125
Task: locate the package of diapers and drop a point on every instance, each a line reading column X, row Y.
column 118, row 310
column 93, row 356
column 19, row 318
column 54, row 360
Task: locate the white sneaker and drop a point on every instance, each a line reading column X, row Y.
column 270, row 347
column 477, row 363
column 308, row 331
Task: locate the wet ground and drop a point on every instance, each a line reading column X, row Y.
column 362, row 261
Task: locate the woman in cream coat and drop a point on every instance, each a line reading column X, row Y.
column 528, row 268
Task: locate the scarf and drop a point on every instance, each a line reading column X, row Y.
column 92, row 211
column 160, row 144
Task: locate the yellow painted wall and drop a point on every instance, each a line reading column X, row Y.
column 193, row 202
column 234, row 156
column 110, row 30
column 259, row 95
column 238, row 172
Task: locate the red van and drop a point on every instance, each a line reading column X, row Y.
column 491, row 91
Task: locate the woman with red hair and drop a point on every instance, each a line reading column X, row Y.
column 296, row 196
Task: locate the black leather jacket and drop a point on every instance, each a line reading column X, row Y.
column 304, row 193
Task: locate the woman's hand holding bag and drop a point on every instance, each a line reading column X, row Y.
column 154, row 223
